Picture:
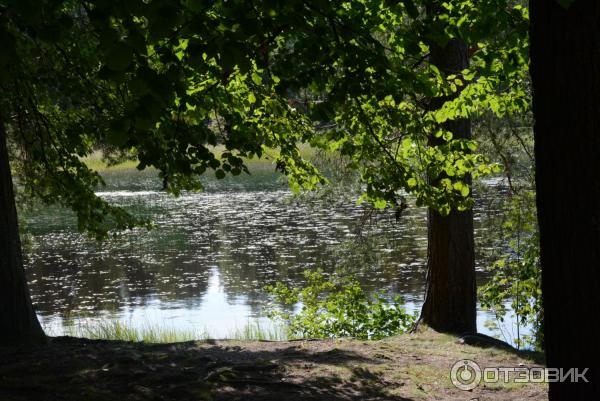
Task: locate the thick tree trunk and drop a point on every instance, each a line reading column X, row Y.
column 565, row 70
column 450, row 295
column 18, row 322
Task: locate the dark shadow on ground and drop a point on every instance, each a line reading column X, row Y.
column 484, row 341
column 73, row 369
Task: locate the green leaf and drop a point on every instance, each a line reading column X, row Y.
column 220, row 174
column 380, row 204
column 256, row 78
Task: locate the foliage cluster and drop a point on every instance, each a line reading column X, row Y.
column 337, row 306
column 516, row 276
column 167, row 80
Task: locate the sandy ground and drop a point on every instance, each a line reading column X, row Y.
column 407, row 367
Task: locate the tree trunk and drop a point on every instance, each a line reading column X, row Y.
column 565, row 71
column 18, row 322
column 450, row 295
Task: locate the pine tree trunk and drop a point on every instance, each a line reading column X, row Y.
column 18, row 323
column 450, row 295
column 565, row 71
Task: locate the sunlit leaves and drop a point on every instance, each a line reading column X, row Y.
column 169, row 80
column 256, row 78
column 337, row 307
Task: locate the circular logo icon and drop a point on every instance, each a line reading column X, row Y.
column 465, row 374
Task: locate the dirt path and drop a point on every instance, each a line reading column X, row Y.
column 408, row 367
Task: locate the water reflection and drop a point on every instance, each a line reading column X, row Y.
column 212, row 253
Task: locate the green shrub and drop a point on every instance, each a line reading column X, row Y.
column 337, row 306
column 516, row 276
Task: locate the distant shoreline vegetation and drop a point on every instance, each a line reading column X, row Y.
column 97, row 162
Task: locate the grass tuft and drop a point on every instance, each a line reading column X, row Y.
column 155, row 334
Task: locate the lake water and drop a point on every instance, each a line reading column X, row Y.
column 212, row 253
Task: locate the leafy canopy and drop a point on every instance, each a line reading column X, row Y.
column 167, row 80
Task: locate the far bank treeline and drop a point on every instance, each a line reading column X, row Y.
column 389, row 84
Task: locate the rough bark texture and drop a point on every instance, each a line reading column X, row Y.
column 565, row 70
column 450, row 295
column 18, row 322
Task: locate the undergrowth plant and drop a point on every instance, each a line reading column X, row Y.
column 516, row 275
column 337, row 306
